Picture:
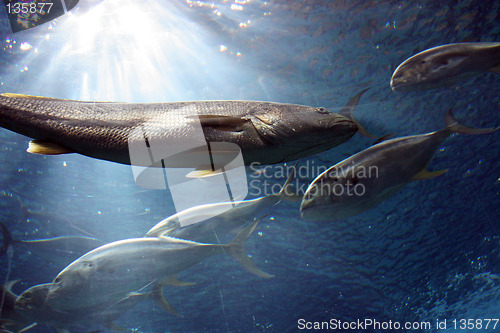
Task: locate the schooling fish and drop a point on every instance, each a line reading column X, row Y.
column 223, row 217
column 32, row 306
column 110, row 272
column 369, row 177
column 446, row 65
column 63, row 248
column 265, row 132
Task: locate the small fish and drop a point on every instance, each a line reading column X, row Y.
column 265, row 132
column 32, row 306
column 446, row 65
column 369, row 177
column 9, row 318
column 110, row 272
column 59, row 249
column 216, row 218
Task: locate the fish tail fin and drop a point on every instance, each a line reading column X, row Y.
column 7, row 239
column 285, row 193
column 236, row 250
column 455, row 127
column 348, row 112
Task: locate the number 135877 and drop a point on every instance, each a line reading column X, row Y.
column 32, row 8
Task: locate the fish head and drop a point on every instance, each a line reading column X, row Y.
column 70, row 283
column 333, row 195
column 305, row 129
column 430, row 69
column 31, row 303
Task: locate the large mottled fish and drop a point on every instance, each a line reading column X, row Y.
column 216, row 218
column 369, row 177
column 265, row 132
column 58, row 249
column 111, row 272
column 31, row 305
column 446, row 65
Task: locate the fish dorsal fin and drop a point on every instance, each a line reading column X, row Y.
column 13, row 95
column 425, row 174
column 383, row 138
column 222, row 123
column 47, row 148
column 285, row 193
column 174, row 282
column 157, row 295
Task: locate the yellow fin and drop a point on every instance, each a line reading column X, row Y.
column 46, row 148
column 157, row 295
column 173, row 281
column 425, row 174
column 204, row 171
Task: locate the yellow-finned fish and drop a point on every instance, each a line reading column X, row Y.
column 446, row 65
column 369, row 177
column 265, row 132
column 111, row 272
column 216, row 218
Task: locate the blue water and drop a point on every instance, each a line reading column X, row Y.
column 431, row 252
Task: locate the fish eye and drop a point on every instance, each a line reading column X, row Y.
column 322, row 110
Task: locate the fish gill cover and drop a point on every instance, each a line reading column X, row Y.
column 431, row 252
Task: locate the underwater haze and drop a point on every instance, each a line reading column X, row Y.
column 428, row 254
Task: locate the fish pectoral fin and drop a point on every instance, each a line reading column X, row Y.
column 157, row 295
column 174, row 282
column 204, row 171
column 222, row 123
column 425, row 174
column 47, row 148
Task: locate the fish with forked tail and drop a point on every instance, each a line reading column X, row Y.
column 446, row 65
column 369, row 177
column 265, row 132
column 111, row 272
column 203, row 223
